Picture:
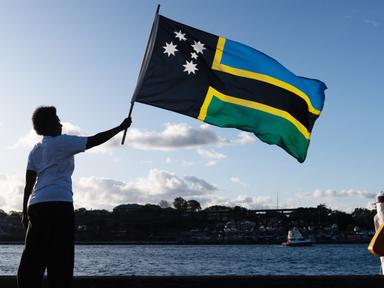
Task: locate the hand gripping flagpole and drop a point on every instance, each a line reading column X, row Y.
column 144, row 64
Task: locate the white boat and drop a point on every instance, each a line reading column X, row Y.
column 295, row 238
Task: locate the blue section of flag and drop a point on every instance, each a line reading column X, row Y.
column 243, row 57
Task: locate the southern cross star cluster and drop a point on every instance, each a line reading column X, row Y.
column 198, row 48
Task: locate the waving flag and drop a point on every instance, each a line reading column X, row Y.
column 228, row 84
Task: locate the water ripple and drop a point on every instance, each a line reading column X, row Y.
column 101, row 260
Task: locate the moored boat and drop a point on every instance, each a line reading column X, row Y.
column 295, row 238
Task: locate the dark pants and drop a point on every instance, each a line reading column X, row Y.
column 49, row 244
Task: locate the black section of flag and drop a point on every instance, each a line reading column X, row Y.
column 268, row 94
column 168, row 86
column 165, row 84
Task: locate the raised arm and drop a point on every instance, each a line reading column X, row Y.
column 30, row 180
column 103, row 137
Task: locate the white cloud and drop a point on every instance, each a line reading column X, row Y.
column 103, row 193
column 211, row 163
column 237, row 180
column 200, row 184
column 157, row 185
column 27, row 141
column 11, row 193
column 146, row 162
column 331, row 193
column 372, row 22
column 187, row 163
column 249, row 202
column 72, row 129
column 367, row 21
column 244, row 138
column 254, row 202
column 181, row 135
column 169, row 160
column 94, row 192
column 345, row 199
column 183, row 163
column 210, row 154
column 174, row 136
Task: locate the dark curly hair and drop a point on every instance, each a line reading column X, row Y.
column 43, row 118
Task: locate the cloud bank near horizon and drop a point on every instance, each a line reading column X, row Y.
column 103, row 193
column 345, row 193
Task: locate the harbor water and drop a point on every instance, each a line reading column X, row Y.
column 168, row 260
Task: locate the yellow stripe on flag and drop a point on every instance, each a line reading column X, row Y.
column 212, row 92
column 216, row 65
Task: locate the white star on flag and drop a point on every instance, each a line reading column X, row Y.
column 193, row 55
column 198, row 47
column 180, row 35
column 170, row 48
column 190, row 67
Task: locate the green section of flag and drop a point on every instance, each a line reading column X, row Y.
column 269, row 128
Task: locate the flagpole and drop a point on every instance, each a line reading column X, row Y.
column 129, row 115
column 144, row 65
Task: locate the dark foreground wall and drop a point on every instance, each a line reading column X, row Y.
column 219, row 282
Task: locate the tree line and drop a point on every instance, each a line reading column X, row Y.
column 185, row 221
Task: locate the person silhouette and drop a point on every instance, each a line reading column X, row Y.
column 379, row 219
column 48, row 213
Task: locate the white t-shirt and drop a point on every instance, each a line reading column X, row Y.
column 380, row 213
column 52, row 160
column 379, row 220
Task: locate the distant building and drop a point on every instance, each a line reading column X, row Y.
column 124, row 208
column 218, row 214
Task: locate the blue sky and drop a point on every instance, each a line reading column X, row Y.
column 84, row 57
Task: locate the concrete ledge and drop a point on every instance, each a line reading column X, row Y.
column 218, row 282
